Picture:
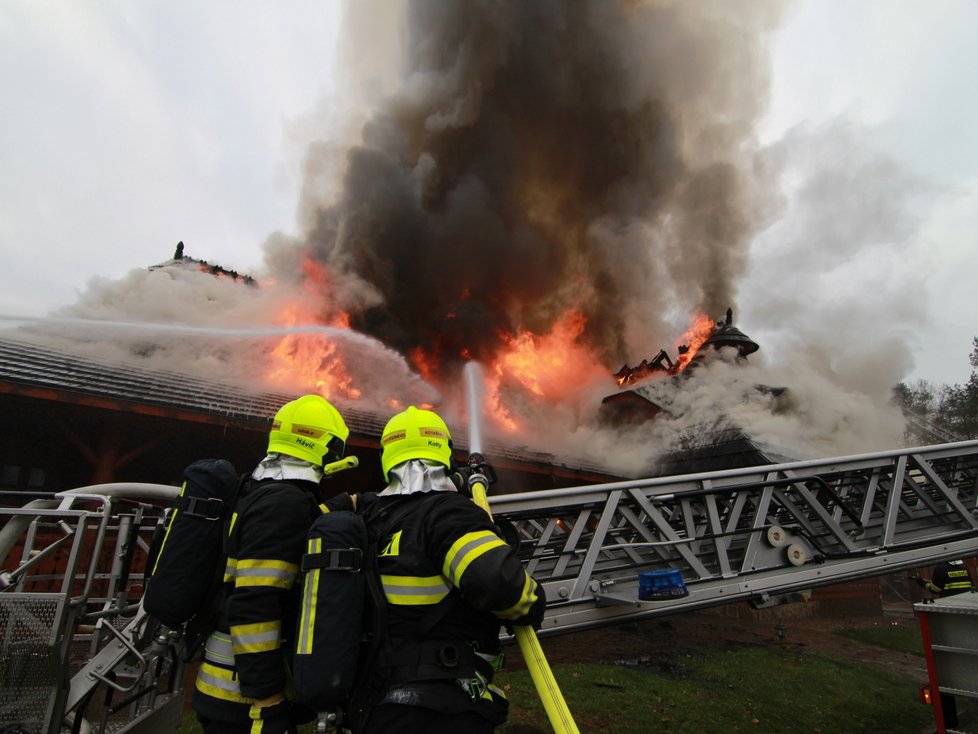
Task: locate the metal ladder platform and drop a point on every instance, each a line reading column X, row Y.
column 79, row 654
column 743, row 534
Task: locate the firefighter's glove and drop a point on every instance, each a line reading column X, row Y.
column 351, row 502
column 920, row 582
column 363, row 500
column 534, row 617
column 341, row 502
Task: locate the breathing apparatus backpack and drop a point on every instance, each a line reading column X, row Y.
column 189, row 564
column 338, row 601
column 342, row 646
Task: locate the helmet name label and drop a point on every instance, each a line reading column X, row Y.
column 433, row 433
column 393, row 436
column 308, row 431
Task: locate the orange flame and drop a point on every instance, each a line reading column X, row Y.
column 547, row 366
column 694, row 338
column 311, row 360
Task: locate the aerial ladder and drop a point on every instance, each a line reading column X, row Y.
column 79, row 654
column 743, row 534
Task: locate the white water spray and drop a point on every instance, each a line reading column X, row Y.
column 474, row 384
column 142, row 327
column 226, row 352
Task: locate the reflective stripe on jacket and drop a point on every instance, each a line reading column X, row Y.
column 442, row 549
column 246, row 658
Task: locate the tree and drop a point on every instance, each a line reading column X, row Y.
column 952, row 409
column 960, row 403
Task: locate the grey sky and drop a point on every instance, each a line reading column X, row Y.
column 127, row 126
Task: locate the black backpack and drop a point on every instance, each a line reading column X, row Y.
column 186, row 569
column 341, row 637
column 341, row 612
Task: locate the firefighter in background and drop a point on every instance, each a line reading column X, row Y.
column 450, row 581
column 242, row 685
column 950, row 578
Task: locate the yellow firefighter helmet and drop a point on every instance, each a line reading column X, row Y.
column 415, row 434
column 309, row 428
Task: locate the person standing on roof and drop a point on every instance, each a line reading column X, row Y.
column 450, row 582
column 949, row 578
column 242, row 685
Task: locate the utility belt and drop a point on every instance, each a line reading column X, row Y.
column 411, row 662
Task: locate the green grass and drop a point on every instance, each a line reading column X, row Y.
column 763, row 689
column 745, row 689
column 902, row 638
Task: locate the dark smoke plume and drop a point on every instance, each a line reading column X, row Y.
column 540, row 156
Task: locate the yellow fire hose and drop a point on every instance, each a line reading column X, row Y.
column 536, row 662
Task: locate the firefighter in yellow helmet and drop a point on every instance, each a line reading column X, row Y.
column 242, row 685
column 450, row 582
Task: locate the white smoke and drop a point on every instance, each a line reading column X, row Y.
column 806, row 239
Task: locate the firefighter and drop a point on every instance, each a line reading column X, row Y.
column 950, row 578
column 242, row 682
column 450, row 582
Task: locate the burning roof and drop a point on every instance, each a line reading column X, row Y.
column 181, row 260
column 703, row 335
column 717, row 442
column 37, row 372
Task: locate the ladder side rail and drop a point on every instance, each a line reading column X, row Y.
column 508, row 503
column 835, row 465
